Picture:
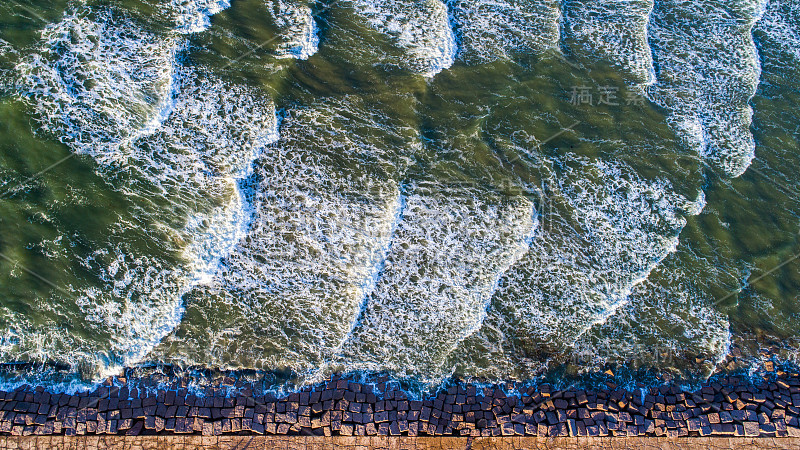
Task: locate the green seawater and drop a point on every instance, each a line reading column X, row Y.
column 424, row 188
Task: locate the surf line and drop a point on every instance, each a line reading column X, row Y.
column 522, row 248
column 369, row 284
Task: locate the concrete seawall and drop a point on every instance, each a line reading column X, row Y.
column 728, row 407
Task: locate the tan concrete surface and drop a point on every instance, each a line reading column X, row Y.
column 383, row 443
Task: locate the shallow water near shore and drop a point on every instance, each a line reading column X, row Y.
column 432, row 189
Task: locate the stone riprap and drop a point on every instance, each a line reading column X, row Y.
column 727, row 407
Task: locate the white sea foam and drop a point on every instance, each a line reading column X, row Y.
column 184, row 142
column 615, row 30
column 324, row 211
column 205, row 148
column 299, row 38
column 604, row 229
column 492, row 29
column 330, row 260
column 421, row 29
column 194, row 16
column 708, row 70
column 779, row 27
column 371, row 282
column 8, row 55
column 668, row 319
column 6, row 49
column 450, row 249
column 99, row 83
column 201, row 154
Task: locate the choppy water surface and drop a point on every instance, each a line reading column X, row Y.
column 495, row 189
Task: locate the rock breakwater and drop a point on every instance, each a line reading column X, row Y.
column 729, row 406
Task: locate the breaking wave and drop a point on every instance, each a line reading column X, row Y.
column 339, row 244
column 616, row 31
column 706, row 76
column 451, row 248
column 194, row 16
column 183, row 142
column 490, row 30
column 421, row 30
column 299, row 31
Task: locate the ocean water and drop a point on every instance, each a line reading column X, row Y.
column 509, row 189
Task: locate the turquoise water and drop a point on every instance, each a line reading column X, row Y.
column 504, row 189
